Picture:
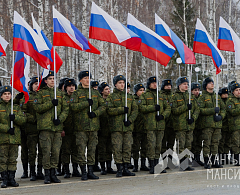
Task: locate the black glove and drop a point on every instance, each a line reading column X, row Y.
column 56, row 122
column 189, row 106
column 55, row 102
column 126, row 110
column 19, row 96
column 217, row 109
column 12, row 117
column 159, row 118
column 11, row 131
column 91, row 115
column 157, row 107
column 127, row 123
column 217, row 118
column 90, row 102
column 190, row 121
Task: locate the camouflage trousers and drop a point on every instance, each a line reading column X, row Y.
column 89, row 140
column 104, row 148
column 8, row 157
column 168, row 139
column 197, row 141
column 122, row 145
column 69, row 149
column 211, row 138
column 50, row 143
column 33, row 146
column 225, row 142
column 235, row 141
column 139, row 144
column 154, row 144
column 24, row 148
column 184, row 140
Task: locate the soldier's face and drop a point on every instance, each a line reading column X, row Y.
column 6, row 96
column 128, row 89
column 50, row 81
column 96, row 87
column 35, row 86
column 70, row 89
column 106, row 91
column 168, row 87
column 183, row 87
column 224, row 96
column 210, row 86
column 85, row 81
column 153, row 85
column 120, row 85
column 236, row 93
column 196, row 92
column 140, row 92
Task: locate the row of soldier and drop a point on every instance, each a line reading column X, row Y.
column 150, row 128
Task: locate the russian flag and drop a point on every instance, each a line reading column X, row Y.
column 228, row 40
column 103, row 27
column 204, row 44
column 41, row 34
column 21, row 71
column 153, row 46
column 3, row 46
column 163, row 30
column 66, row 34
column 26, row 40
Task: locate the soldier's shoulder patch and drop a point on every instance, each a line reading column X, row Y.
column 106, row 103
column 170, row 104
column 21, row 105
column 199, row 104
column 139, row 101
column 35, row 101
column 230, row 106
column 71, row 99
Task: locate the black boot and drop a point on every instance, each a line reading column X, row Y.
column 143, row 165
column 126, row 172
column 130, row 165
column 109, row 168
column 25, row 171
column 156, row 161
column 135, row 169
column 96, row 168
column 67, row 172
column 32, row 173
column 53, row 176
column 236, row 157
column 206, row 164
column 47, row 176
column 59, row 169
column 90, row 173
column 4, row 183
column 103, row 168
column 152, row 165
column 11, row 179
column 75, row 172
column 39, row 172
column 215, row 163
column 188, row 168
column 119, row 170
column 198, row 160
column 164, row 170
column 84, row 172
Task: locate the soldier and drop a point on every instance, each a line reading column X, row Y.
column 121, row 129
column 51, row 129
column 128, row 87
column 61, row 84
column 9, row 137
column 94, row 84
column 197, row 132
column 86, row 123
column 211, row 122
column 69, row 147
column 32, row 132
column 154, row 124
column 169, row 133
column 182, row 124
column 139, row 135
column 225, row 142
column 104, row 136
column 230, row 85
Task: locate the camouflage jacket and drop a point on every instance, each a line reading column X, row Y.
column 167, row 95
column 31, row 125
column 68, row 125
column 139, row 122
column 180, row 111
column 147, row 107
column 104, row 123
column 46, row 111
column 115, row 109
column 80, row 108
column 233, row 112
column 225, row 120
column 20, row 119
column 207, row 104
column 198, row 122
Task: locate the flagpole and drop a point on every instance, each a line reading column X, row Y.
column 89, row 75
column 55, row 88
column 217, row 92
column 12, row 88
column 126, row 83
column 157, row 85
column 38, row 73
column 190, row 81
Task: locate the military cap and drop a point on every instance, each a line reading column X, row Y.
column 206, row 81
column 102, row 86
column 69, row 82
column 51, row 73
column 118, row 78
column 84, row 73
column 151, row 80
column 61, row 83
column 0, row 83
column 223, row 90
column 181, row 80
column 128, row 85
column 5, row 88
column 137, row 87
column 235, row 86
column 94, row 83
column 195, row 85
column 166, row 82
column 230, row 85
column 32, row 81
